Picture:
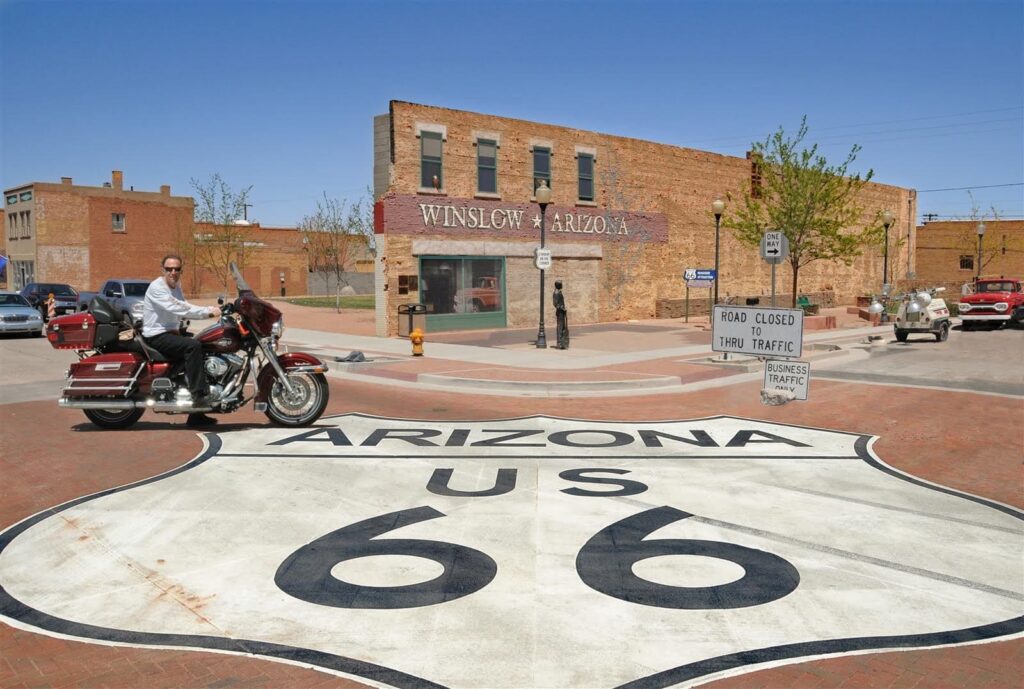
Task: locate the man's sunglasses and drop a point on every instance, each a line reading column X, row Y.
column 171, row 270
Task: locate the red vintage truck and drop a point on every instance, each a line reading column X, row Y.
column 995, row 302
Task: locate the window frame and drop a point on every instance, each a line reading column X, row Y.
column 542, row 176
column 439, row 137
column 967, row 262
column 579, row 177
column 480, row 166
column 114, row 222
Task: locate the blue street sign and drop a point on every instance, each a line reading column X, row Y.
column 699, row 274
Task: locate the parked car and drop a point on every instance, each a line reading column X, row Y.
column 995, row 302
column 65, row 297
column 18, row 316
column 124, row 294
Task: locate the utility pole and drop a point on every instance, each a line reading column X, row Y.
column 245, row 211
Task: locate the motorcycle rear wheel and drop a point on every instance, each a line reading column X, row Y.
column 113, row 419
column 302, row 408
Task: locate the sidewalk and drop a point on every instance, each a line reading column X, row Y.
column 620, row 358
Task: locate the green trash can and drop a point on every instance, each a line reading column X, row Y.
column 410, row 317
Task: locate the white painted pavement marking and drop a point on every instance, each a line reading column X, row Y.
column 567, row 579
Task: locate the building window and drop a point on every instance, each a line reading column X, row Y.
column 25, row 196
column 487, row 166
column 12, row 199
column 11, row 232
column 541, row 166
column 755, row 174
column 966, row 262
column 430, row 160
column 462, row 285
column 26, row 224
column 117, row 222
column 585, row 167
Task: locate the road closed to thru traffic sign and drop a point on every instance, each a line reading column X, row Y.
column 757, row 331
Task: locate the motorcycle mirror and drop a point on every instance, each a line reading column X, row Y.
column 220, row 300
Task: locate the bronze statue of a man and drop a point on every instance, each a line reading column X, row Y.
column 562, row 316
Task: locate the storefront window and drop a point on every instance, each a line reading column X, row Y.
column 462, row 285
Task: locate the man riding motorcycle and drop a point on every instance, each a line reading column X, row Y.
column 164, row 308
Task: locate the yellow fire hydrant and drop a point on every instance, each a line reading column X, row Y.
column 416, row 337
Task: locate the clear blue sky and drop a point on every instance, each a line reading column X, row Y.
column 281, row 95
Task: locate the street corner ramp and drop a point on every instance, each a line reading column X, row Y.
column 564, row 552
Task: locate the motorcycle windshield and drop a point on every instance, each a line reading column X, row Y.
column 240, row 282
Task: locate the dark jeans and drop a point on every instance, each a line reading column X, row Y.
column 187, row 350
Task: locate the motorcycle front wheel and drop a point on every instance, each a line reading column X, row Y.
column 113, row 419
column 304, row 405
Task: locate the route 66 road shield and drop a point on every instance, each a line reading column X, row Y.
column 529, row 552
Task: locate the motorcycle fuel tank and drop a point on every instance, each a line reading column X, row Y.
column 221, row 337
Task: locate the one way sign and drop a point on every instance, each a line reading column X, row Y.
column 774, row 247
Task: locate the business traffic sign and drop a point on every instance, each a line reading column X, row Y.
column 542, row 258
column 774, row 247
column 757, row 331
column 793, row 376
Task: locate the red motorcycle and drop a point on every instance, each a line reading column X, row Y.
column 119, row 376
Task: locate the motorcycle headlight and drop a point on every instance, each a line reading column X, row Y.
column 277, row 330
column 963, row 308
column 1001, row 306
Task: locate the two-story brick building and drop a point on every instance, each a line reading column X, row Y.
column 457, row 222
column 83, row 235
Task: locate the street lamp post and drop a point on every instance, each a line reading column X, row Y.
column 887, row 222
column 981, row 236
column 543, row 195
column 717, row 207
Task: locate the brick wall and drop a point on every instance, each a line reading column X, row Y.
column 673, row 183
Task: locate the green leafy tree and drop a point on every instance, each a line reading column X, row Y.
column 336, row 235
column 796, row 191
column 223, row 210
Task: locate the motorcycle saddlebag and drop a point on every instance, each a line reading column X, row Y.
column 104, row 375
column 80, row 331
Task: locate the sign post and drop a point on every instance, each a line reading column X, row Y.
column 774, row 250
column 698, row 277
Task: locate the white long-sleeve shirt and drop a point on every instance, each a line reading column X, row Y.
column 164, row 309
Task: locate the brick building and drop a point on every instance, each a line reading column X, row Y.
column 947, row 252
column 457, row 223
column 84, row 235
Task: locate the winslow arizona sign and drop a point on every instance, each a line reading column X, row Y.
column 529, row 552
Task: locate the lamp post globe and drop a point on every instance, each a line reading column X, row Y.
column 543, row 196
column 717, row 207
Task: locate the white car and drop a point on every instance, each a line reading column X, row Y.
column 18, row 316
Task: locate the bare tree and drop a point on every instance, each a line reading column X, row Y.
column 813, row 203
column 335, row 236
column 222, row 209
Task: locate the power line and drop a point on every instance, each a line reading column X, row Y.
column 987, row 186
